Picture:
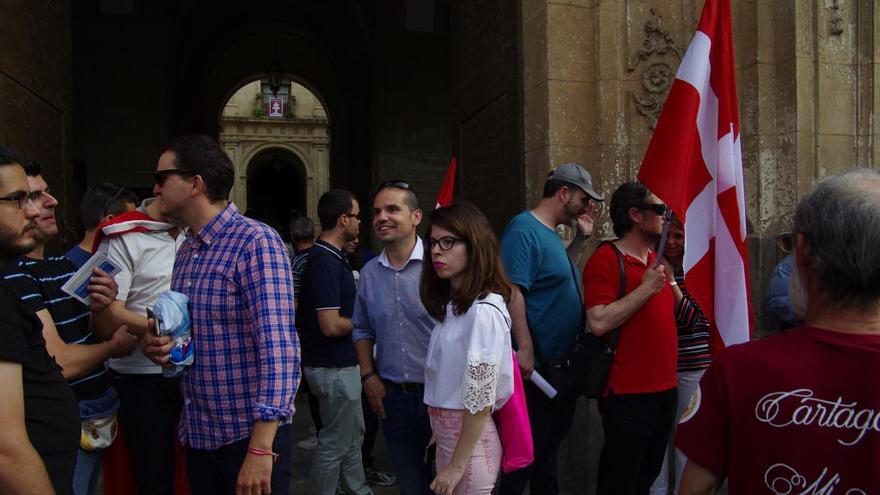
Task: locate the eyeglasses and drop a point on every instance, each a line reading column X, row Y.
column 658, row 209
column 112, row 200
column 352, row 215
column 161, row 175
column 394, row 183
column 445, row 243
column 23, row 198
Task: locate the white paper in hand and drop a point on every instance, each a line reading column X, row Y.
column 78, row 285
column 543, row 385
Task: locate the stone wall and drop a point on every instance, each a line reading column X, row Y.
column 35, row 89
column 596, row 72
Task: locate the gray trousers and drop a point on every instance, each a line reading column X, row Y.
column 339, row 442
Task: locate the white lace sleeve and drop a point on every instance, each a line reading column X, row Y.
column 480, row 380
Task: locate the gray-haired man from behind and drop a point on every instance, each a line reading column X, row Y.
column 799, row 411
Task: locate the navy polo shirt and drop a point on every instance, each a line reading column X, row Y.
column 327, row 284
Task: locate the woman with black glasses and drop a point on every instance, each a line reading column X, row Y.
column 468, row 369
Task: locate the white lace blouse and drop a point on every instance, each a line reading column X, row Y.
column 469, row 363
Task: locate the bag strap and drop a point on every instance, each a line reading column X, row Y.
column 615, row 334
column 506, row 319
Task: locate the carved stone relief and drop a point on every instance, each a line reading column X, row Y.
column 657, row 73
column 835, row 19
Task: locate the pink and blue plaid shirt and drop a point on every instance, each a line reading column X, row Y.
column 236, row 273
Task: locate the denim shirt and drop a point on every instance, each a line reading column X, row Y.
column 389, row 312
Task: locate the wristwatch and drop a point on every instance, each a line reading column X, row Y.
column 581, row 237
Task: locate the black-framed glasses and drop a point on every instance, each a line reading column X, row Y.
column 445, row 243
column 658, row 209
column 160, row 176
column 395, row 183
column 23, row 198
column 110, row 202
column 352, row 215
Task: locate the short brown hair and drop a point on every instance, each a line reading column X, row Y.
column 484, row 272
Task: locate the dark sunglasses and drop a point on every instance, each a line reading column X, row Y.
column 658, row 209
column 160, row 176
column 399, row 184
column 445, row 243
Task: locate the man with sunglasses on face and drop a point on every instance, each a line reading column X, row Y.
column 238, row 393
column 67, row 322
column 100, row 203
column 390, row 318
column 39, row 419
column 638, row 408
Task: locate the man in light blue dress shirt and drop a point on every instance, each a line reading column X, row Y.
column 389, row 316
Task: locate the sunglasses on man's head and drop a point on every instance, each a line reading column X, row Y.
column 160, row 176
column 399, row 184
column 658, row 209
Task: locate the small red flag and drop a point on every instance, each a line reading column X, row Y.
column 444, row 197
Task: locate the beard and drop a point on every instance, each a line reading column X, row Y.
column 571, row 214
column 13, row 245
column 797, row 294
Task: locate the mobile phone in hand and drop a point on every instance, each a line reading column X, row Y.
column 152, row 316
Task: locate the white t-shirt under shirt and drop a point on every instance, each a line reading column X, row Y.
column 798, row 412
column 146, row 260
column 469, row 363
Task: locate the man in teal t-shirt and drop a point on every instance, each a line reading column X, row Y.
column 538, row 264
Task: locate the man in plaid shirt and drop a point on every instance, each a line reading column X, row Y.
column 238, row 393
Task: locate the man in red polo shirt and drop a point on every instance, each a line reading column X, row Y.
column 638, row 408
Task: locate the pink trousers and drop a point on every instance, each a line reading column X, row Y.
column 485, row 462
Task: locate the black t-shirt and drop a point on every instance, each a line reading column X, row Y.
column 50, row 411
column 38, row 283
column 327, row 284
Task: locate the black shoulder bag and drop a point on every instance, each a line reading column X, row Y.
column 585, row 370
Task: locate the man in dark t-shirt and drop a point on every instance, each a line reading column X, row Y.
column 328, row 357
column 39, row 420
column 65, row 320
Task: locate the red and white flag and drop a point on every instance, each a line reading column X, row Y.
column 444, row 197
column 694, row 164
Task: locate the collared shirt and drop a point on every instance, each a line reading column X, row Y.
column 328, row 284
column 389, row 312
column 236, row 274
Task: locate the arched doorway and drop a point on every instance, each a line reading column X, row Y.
column 282, row 161
column 276, row 188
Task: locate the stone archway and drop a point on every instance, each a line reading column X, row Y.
column 298, row 143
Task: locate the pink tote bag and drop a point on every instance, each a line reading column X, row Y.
column 512, row 421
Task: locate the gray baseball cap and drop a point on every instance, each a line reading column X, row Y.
column 575, row 175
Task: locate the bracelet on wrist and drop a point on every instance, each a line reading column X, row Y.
column 581, row 236
column 673, row 284
column 262, row 453
column 366, row 376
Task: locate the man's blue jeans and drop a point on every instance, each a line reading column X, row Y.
column 85, row 476
column 407, row 434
